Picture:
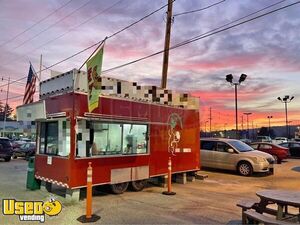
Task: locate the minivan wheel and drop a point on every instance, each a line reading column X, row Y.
column 245, row 169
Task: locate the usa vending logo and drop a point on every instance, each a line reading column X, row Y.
column 31, row 210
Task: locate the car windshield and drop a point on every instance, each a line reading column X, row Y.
column 5, row 143
column 240, row 146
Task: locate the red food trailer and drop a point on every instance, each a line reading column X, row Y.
column 128, row 138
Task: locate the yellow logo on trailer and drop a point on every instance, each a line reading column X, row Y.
column 31, row 210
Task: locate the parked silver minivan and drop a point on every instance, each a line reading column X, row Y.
column 231, row 154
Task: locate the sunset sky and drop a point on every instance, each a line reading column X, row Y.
column 266, row 49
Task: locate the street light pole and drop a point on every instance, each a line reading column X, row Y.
column 229, row 78
column 247, row 114
column 286, row 119
column 236, row 111
column 286, row 99
column 269, row 117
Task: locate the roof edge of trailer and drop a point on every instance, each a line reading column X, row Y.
column 76, row 81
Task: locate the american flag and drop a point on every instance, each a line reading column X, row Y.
column 30, row 86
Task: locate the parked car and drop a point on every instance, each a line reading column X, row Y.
column 279, row 153
column 231, row 154
column 25, row 150
column 293, row 146
column 279, row 140
column 263, row 139
column 5, row 149
column 17, row 144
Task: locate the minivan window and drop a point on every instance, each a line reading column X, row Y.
column 240, row 146
column 207, row 145
column 222, row 147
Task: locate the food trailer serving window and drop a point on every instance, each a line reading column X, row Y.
column 55, row 138
column 96, row 138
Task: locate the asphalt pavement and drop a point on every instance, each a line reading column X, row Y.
column 209, row 201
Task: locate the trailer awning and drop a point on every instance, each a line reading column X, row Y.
column 32, row 111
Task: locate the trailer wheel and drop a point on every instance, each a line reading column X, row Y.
column 138, row 185
column 119, row 188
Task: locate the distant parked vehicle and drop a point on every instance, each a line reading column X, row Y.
column 246, row 141
column 25, row 139
column 263, row 139
column 279, row 140
column 25, row 150
column 5, row 149
column 17, row 144
column 293, row 146
column 231, row 154
column 278, row 152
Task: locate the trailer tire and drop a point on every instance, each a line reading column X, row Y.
column 138, row 185
column 119, row 188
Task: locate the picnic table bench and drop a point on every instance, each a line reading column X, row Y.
column 252, row 216
column 257, row 211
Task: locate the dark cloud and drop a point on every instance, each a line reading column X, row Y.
column 267, row 49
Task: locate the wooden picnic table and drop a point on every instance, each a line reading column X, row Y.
column 283, row 199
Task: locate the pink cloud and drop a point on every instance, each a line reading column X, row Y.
column 236, row 61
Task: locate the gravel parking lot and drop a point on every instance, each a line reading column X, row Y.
column 212, row 201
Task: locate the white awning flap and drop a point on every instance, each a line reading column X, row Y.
column 32, row 111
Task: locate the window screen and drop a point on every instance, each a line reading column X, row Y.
column 109, row 138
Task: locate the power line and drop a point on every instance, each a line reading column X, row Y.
column 14, row 81
column 241, row 18
column 68, row 31
column 112, row 35
column 52, row 25
column 33, row 25
column 5, row 79
column 84, row 22
column 199, row 37
column 96, row 44
column 18, row 96
column 198, row 10
column 196, row 38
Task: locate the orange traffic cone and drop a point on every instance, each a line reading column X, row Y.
column 89, row 217
column 169, row 192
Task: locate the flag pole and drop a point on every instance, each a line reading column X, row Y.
column 92, row 53
column 5, row 107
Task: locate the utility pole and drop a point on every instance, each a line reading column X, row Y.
column 253, row 136
column 210, row 121
column 205, row 128
column 167, row 45
column 242, row 123
column 5, row 107
column 247, row 114
column 286, row 99
column 269, row 117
